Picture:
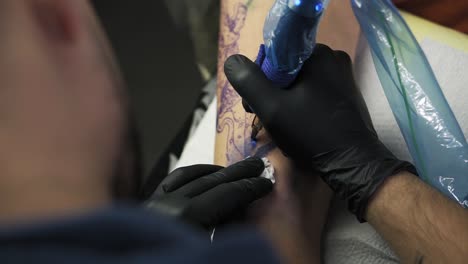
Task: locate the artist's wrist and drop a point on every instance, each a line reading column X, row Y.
column 392, row 191
column 356, row 173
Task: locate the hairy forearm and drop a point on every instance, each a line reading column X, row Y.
column 421, row 225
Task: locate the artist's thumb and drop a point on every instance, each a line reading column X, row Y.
column 250, row 82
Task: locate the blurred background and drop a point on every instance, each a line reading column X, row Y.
column 168, row 53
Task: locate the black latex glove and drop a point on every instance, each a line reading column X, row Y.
column 321, row 121
column 207, row 195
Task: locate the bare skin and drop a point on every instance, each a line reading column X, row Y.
column 421, row 225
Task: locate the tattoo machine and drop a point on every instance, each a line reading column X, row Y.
column 290, row 37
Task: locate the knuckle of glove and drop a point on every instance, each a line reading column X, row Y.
column 249, row 187
column 343, row 56
column 212, row 179
column 271, row 116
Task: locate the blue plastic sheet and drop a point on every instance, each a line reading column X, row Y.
column 431, row 131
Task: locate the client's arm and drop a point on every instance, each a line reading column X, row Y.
column 420, row 224
column 294, row 226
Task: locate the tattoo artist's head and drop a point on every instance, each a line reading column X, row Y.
column 65, row 140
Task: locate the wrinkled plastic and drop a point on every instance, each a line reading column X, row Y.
column 290, row 34
column 431, row 131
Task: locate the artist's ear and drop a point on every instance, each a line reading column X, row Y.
column 58, row 20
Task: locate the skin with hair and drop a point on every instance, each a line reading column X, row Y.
column 64, row 127
column 421, row 224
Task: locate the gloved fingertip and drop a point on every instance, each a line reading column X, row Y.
column 321, row 48
column 235, row 61
column 250, row 82
column 262, row 186
column 344, row 56
column 238, row 70
column 254, row 162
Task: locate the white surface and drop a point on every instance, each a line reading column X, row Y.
column 269, row 172
column 450, row 67
column 347, row 241
column 201, row 146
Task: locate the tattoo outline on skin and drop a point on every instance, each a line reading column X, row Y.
column 235, row 122
column 231, row 115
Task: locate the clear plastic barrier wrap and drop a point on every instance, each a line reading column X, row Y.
column 431, row 131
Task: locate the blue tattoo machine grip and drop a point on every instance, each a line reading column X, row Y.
column 290, row 37
column 290, row 34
